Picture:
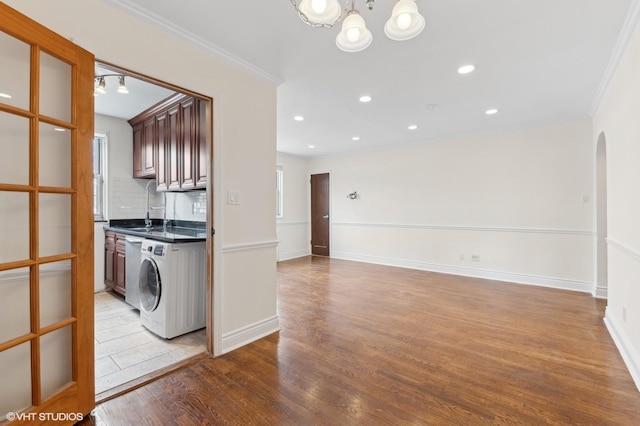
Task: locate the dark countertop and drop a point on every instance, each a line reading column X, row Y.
column 178, row 231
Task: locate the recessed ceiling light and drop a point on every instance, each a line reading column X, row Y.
column 491, row 111
column 298, row 118
column 311, row 146
column 412, row 127
column 365, row 98
column 5, row 95
column 355, row 138
column 466, row 69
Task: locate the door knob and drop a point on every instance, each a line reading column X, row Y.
column 326, row 216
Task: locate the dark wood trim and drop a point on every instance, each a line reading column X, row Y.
column 143, row 77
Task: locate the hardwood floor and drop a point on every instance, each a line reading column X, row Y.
column 365, row 344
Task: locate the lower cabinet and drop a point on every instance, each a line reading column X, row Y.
column 115, row 262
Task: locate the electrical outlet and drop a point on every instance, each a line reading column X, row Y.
column 461, row 257
column 475, row 258
column 624, row 313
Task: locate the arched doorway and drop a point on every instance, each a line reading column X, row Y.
column 601, row 217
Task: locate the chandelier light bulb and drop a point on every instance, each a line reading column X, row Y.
column 354, row 36
column 322, row 12
column 404, row 21
column 319, row 6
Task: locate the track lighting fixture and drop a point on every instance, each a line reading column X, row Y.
column 101, row 84
column 121, row 86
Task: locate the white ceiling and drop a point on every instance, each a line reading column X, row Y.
column 141, row 96
column 536, row 61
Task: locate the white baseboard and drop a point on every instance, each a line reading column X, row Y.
column 293, row 254
column 629, row 354
column 600, row 293
column 250, row 333
column 559, row 283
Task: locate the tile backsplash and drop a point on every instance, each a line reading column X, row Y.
column 128, row 198
column 191, row 205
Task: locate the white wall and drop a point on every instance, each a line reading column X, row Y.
column 617, row 119
column 244, row 157
column 293, row 228
column 519, row 201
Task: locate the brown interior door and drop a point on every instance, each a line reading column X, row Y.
column 320, row 214
column 46, row 225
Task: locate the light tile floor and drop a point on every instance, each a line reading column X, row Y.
column 125, row 350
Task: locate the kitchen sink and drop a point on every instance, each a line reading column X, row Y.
column 170, row 230
column 144, row 229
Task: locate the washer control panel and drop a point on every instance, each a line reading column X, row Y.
column 153, row 248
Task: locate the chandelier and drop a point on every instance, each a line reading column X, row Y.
column 405, row 22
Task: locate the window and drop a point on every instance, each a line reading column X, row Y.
column 279, row 196
column 99, row 177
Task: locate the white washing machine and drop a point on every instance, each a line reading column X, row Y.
column 172, row 287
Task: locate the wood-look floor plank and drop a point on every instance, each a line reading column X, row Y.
column 366, row 344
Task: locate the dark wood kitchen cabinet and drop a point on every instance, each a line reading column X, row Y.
column 178, row 146
column 144, row 149
column 201, row 160
column 173, row 148
column 115, row 262
column 189, row 150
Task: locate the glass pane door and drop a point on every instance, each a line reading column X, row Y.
column 46, row 226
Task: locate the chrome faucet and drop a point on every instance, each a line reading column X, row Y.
column 147, row 216
column 163, row 207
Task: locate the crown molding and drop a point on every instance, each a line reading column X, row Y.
column 621, row 43
column 157, row 21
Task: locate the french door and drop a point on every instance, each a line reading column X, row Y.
column 46, row 225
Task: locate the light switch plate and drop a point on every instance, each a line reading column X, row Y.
column 233, row 197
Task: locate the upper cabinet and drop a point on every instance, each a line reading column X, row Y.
column 169, row 144
column 144, row 149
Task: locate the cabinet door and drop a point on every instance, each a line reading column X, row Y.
column 149, row 148
column 120, row 264
column 121, row 272
column 109, row 259
column 138, row 149
column 144, row 148
column 161, row 151
column 173, row 148
column 202, row 158
column 189, row 143
column 109, row 266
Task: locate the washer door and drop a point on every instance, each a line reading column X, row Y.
column 150, row 285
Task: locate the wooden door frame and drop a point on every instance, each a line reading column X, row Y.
column 328, row 208
column 211, row 287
